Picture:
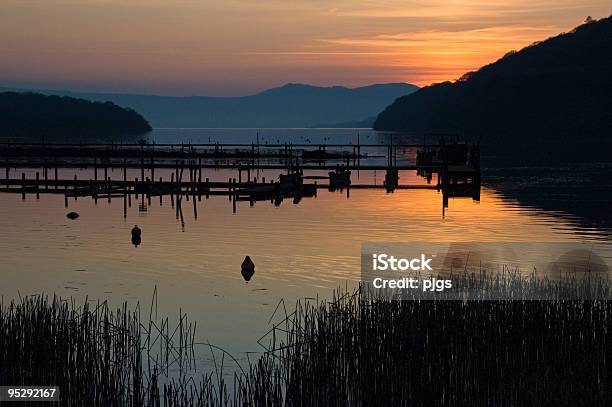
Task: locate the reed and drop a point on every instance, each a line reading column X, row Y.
column 361, row 350
column 357, row 349
column 99, row 356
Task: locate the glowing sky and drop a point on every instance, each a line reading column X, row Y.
column 235, row 47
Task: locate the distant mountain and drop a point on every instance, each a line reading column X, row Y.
column 292, row 105
column 37, row 116
column 553, row 98
column 353, row 124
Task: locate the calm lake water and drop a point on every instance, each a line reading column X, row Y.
column 300, row 251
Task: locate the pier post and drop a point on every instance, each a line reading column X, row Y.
column 199, row 170
column 94, row 193
column 37, row 185
column 8, row 146
column 195, row 206
column 394, row 155
column 23, row 185
column 194, row 178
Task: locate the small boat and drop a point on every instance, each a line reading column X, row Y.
column 339, row 178
column 391, row 179
column 294, row 178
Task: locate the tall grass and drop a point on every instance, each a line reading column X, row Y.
column 356, row 349
column 361, row 350
column 99, row 356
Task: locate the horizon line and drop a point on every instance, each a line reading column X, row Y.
column 9, row 88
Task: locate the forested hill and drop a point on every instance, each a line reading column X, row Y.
column 558, row 90
column 36, row 116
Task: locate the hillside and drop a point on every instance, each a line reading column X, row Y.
column 557, row 91
column 292, row 105
column 37, row 116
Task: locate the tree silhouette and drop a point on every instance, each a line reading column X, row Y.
column 33, row 115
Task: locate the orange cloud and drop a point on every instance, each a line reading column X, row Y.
column 240, row 46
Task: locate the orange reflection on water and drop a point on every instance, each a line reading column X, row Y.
column 299, row 251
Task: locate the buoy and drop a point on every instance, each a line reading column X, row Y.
column 72, row 215
column 136, row 232
column 248, row 269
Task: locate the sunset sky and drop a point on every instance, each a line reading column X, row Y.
column 237, row 47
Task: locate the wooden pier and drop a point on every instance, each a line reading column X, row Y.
column 186, row 166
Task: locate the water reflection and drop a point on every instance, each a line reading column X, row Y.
column 304, row 250
column 195, row 243
column 579, row 192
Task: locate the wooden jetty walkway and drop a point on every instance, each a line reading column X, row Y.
column 458, row 172
column 256, row 155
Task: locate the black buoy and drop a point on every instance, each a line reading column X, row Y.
column 248, row 269
column 136, row 232
column 72, row 215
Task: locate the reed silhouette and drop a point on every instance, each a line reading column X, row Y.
column 355, row 349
